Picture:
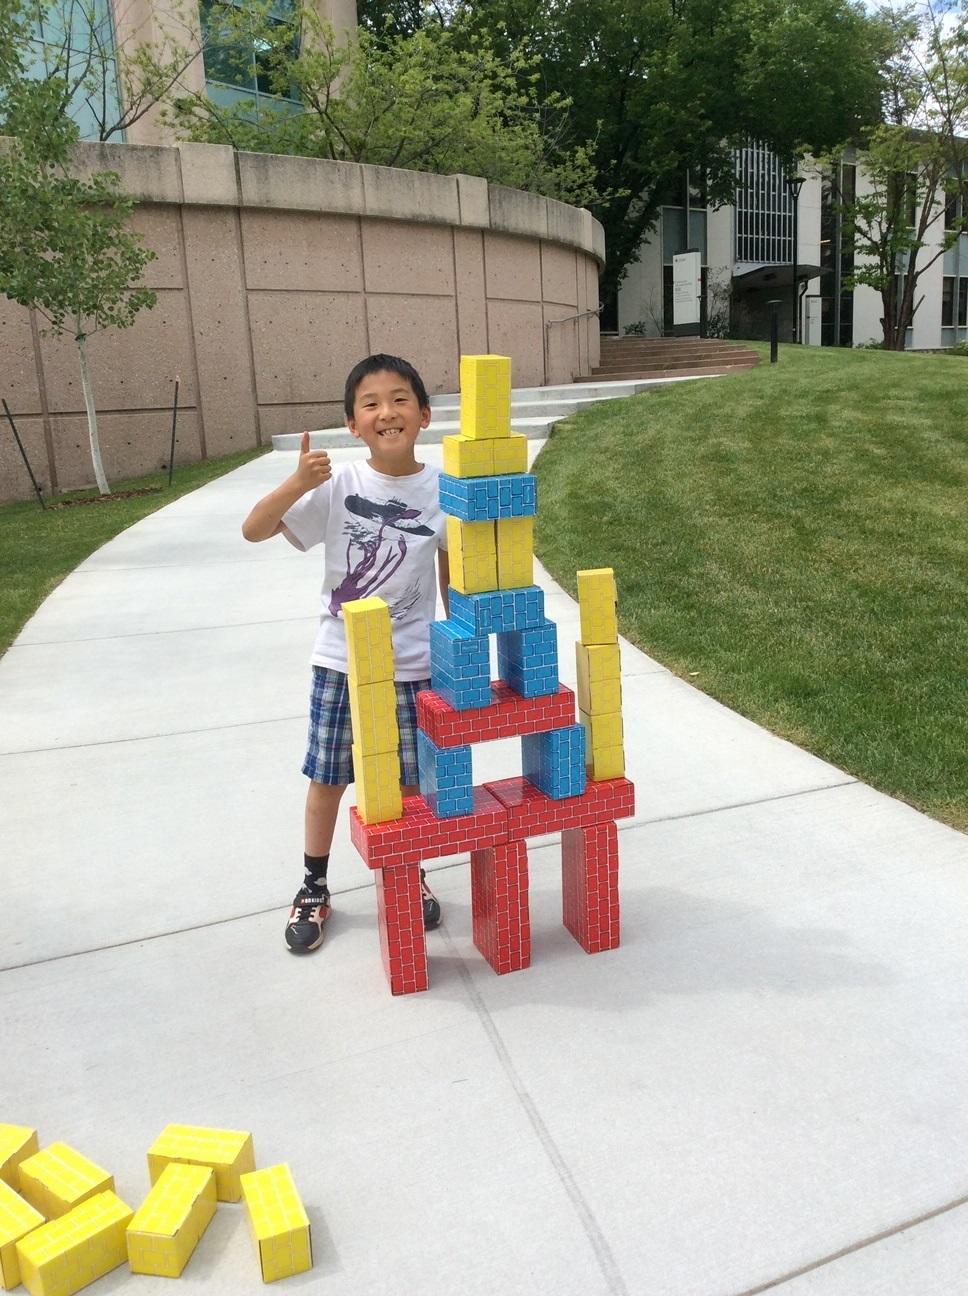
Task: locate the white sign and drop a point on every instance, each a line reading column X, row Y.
column 686, row 287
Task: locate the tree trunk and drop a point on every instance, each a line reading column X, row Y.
column 102, row 481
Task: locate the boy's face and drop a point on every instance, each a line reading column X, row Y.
column 387, row 417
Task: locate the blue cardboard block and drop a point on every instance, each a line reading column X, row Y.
column 555, row 761
column 485, row 499
column 446, row 777
column 528, row 659
column 498, row 611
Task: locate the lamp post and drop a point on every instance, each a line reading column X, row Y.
column 794, row 184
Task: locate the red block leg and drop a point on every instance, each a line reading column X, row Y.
column 499, row 905
column 402, row 940
column 589, row 885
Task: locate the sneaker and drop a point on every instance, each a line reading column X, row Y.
column 304, row 930
column 431, row 905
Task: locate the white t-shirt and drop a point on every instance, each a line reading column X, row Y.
column 381, row 535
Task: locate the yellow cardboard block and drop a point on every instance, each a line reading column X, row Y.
column 369, row 640
column 604, row 749
column 171, row 1219
column 515, row 552
column 472, row 550
column 17, row 1142
column 57, row 1178
column 378, row 796
column 485, row 396
column 373, row 716
column 597, row 599
column 280, row 1225
column 466, row 457
column 599, row 678
column 229, row 1153
column 65, row 1255
column 510, row 454
column 17, row 1219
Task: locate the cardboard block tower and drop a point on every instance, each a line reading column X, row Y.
column 573, row 775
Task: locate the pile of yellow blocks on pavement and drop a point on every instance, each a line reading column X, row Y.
column 62, row 1225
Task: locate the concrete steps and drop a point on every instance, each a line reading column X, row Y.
column 534, row 410
column 634, row 358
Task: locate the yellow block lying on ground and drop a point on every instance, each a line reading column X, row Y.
column 17, row 1219
column 229, row 1153
column 65, row 1255
column 58, row 1178
column 17, row 1142
column 279, row 1223
column 171, row 1219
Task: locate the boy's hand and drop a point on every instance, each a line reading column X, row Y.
column 313, row 468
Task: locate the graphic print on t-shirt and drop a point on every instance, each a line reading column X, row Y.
column 376, row 545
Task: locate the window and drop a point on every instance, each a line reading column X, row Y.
column 76, row 41
column 947, row 301
column 238, row 61
column 962, row 302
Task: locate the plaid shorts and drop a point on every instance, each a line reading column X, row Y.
column 329, row 757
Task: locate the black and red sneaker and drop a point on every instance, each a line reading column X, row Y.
column 431, row 905
column 310, row 909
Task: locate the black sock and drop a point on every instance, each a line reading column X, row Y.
column 315, row 866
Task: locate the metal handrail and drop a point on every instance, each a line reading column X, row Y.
column 565, row 319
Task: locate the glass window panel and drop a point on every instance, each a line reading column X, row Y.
column 947, row 301
column 963, row 302
column 673, row 232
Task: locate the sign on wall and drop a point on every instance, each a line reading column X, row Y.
column 686, row 288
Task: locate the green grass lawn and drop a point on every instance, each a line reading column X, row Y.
column 38, row 548
column 793, row 541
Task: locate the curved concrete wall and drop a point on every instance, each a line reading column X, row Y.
column 274, row 276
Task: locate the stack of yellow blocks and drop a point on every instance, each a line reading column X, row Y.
column 373, row 710
column 494, row 554
column 279, row 1223
column 600, row 675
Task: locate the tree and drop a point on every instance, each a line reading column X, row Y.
column 438, row 99
column 65, row 249
column 914, row 204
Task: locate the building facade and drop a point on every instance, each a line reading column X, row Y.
column 748, row 259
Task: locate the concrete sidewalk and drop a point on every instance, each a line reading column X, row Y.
column 763, row 1088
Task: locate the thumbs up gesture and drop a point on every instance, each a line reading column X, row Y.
column 313, row 467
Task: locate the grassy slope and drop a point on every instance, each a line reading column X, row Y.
column 796, row 535
column 38, row 549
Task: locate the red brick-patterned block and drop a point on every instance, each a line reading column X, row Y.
column 419, row 835
column 403, row 943
column 589, row 886
column 531, row 812
column 499, row 905
column 508, row 716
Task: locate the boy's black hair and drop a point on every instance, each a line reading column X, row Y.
column 383, row 364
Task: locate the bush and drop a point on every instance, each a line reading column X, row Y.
column 961, row 348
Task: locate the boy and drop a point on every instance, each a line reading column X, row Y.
column 382, row 527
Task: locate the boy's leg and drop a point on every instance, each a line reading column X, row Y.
column 409, row 775
column 329, row 767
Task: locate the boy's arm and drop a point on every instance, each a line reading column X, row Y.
column 443, row 577
column 312, row 469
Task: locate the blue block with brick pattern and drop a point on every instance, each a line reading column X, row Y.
column 528, row 659
column 498, row 611
column 460, row 665
column 555, row 761
column 446, row 778
column 485, row 499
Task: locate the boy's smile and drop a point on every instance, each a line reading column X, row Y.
column 388, row 418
